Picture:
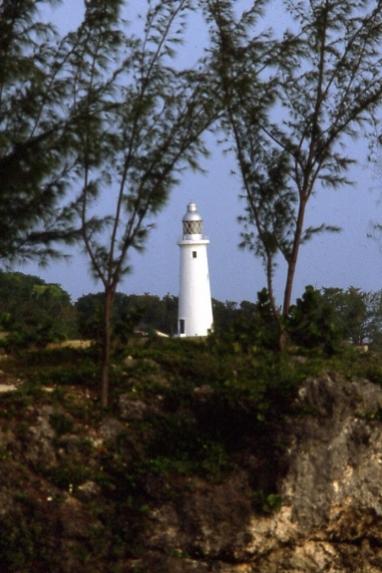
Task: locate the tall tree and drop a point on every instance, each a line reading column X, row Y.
column 41, row 113
column 324, row 89
column 242, row 65
column 359, row 313
column 36, row 113
column 149, row 127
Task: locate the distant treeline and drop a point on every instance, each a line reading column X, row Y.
column 33, row 312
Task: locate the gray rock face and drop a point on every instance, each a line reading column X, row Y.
column 39, row 441
column 69, row 475
column 330, row 520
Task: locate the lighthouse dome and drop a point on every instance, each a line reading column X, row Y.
column 192, row 221
column 192, row 213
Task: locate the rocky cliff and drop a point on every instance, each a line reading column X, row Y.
column 330, row 519
column 77, row 493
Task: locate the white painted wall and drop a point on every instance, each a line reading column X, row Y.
column 195, row 306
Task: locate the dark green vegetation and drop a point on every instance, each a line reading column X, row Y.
column 107, row 111
column 145, row 312
column 33, row 313
column 103, row 111
column 80, row 483
column 324, row 79
column 111, row 114
column 138, row 138
column 40, row 115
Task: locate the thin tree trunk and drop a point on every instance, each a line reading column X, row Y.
column 292, row 262
column 281, row 337
column 269, row 272
column 106, row 348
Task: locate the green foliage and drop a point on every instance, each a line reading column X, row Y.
column 39, row 114
column 143, row 312
column 61, row 423
column 313, row 322
column 179, row 445
column 266, row 504
column 292, row 105
column 332, row 316
column 24, row 539
column 210, row 410
column 69, row 474
column 33, row 312
column 248, row 325
column 140, row 144
column 350, row 307
column 359, row 312
column 84, row 374
column 58, row 368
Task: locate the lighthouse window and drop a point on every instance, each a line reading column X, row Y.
column 182, row 326
column 192, row 227
column 194, row 254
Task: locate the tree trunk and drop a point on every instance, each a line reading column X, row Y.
column 106, row 348
column 292, row 263
column 269, row 271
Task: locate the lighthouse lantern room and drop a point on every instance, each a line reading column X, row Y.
column 195, row 305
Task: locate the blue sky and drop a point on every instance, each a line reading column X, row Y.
column 348, row 258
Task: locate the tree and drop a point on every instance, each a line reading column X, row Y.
column 90, row 311
column 351, row 309
column 155, row 313
column 37, row 113
column 238, row 62
column 359, row 313
column 245, row 326
column 324, row 89
column 147, row 129
column 331, row 315
column 130, row 312
column 224, row 314
column 43, row 110
column 314, row 322
column 33, row 312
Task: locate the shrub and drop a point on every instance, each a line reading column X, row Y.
column 313, row 322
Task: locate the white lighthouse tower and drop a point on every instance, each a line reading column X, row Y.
column 195, row 306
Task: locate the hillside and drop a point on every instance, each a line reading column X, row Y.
column 205, row 462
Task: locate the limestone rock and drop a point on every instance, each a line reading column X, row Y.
column 110, row 428
column 39, row 449
column 131, row 409
column 331, row 515
column 126, row 519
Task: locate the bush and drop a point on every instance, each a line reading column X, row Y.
column 26, row 540
column 251, row 326
column 313, row 322
column 33, row 312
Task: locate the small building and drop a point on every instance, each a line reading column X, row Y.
column 195, row 305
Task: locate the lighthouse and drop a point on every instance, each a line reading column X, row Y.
column 195, row 305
